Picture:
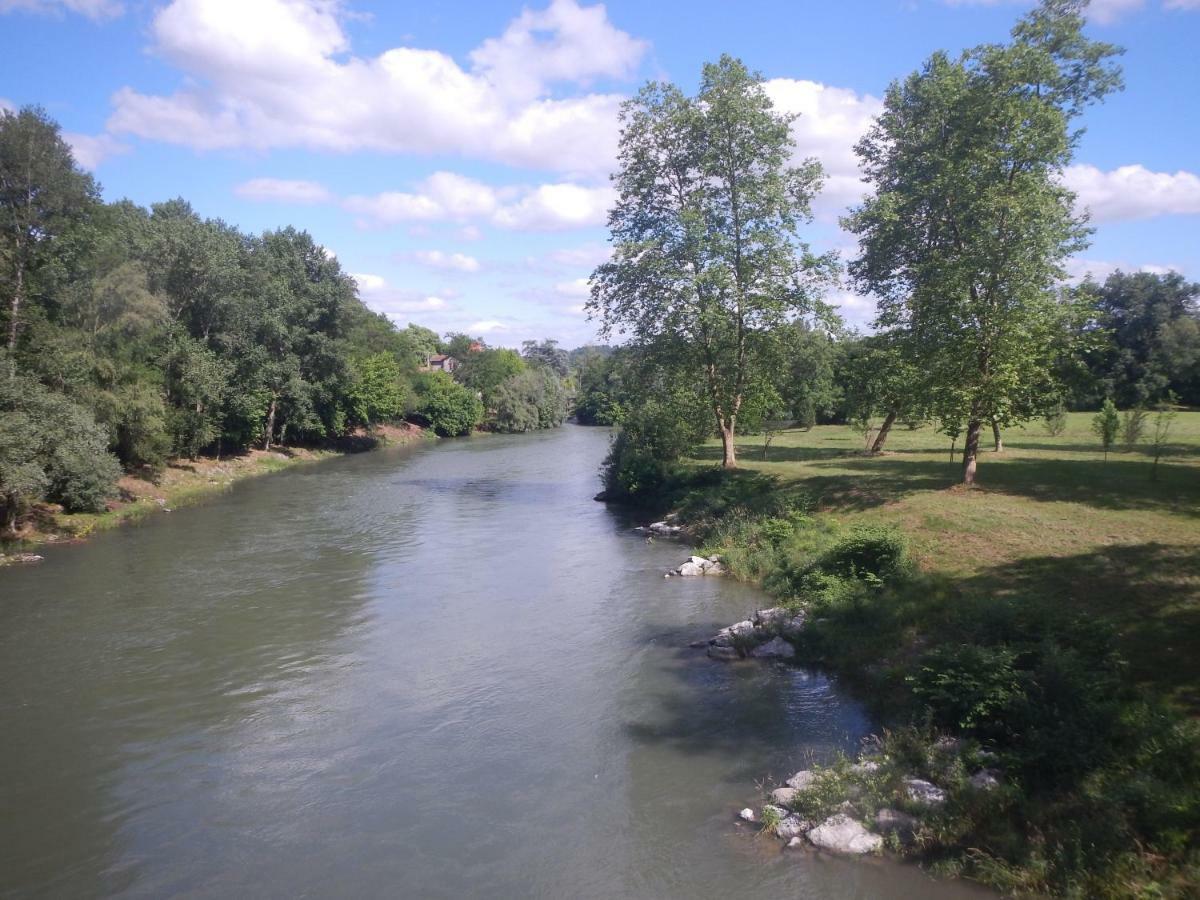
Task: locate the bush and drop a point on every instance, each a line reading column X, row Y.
column 868, row 552
column 1056, row 419
column 966, row 687
column 531, row 400
column 446, row 406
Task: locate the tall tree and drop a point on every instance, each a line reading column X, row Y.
column 707, row 261
column 43, row 194
column 964, row 237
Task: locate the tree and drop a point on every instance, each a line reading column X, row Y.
column 964, row 237
column 42, row 195
column 530, row 400
column 707, row 261
column 379, row 391
column 486, row 370
column 1106, row 424
column 450, row 409
column 1163, row 420
column 546, row 353
column 880, row 381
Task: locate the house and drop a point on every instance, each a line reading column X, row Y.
column 441, row 362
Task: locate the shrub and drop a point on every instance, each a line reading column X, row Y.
column 872, row 552
column 446, row 406
column 1133, row 426
column 966, row 687
column 528, row 401
column 1056, row 419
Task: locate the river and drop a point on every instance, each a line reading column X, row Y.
column 429, row 672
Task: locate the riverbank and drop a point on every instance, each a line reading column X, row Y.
column 181, row 483
column 1047, row 620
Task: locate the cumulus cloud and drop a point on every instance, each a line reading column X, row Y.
column 449, row 197
column 486, row 326
column 282, row 190
column 92, row 9
column 279, row 73
column 90, row 150
column 1079, row 268
column 1133, row 192
column 586, row 256
column 437, row 259
column 7, row 105
column 382, row 297
column 831, row 121
column 575, row 288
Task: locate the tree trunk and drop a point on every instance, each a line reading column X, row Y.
column 270, row 429
column 14, row 312
column 996, row 436
column 882, row 437
column 971, row 451
column 730, row 454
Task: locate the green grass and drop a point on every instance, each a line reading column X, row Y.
column 1049, row 519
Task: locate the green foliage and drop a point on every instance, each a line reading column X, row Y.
column 379, row 392
column 546, row 354
column 708, row 263
column 966, row 687
column 966, row 161
column 1107, row 424
column 485, row 370
column 1133, row 426
column 868, row 552
column 599, row 396
column 528, row 401
column 450, row 409
column 1055, row 421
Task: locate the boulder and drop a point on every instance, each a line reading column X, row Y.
column 802, row 780
column 796, row 842
column 738, row 631
column 985, row 780
column 712, row 567
column 689, row 568
column 892, row 821
column 792, row 827
column 775, row 648
column 784, row 795
column 747, row 815
column 925, row 792
column 716, row 651
column 842, row 834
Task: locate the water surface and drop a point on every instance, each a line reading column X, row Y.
column 432, row 672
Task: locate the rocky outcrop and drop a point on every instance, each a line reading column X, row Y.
column 802, row 780
column 767, row 635
column 842, row 834
column 924, row 792
column 699, row 565
column 666, row 528
column 19, row 559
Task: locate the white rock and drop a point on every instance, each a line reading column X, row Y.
column 775, row 648
column 795, row 842
column 802, row 780
column 921, row 791
column 698, row 560
column 737, row 631
column 689, row 568
column 985, row 780
column 747, row 815
column 842, row 834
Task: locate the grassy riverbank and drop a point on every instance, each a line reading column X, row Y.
column 1051, row 615
column 183, row 482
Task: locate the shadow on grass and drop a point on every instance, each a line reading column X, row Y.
column 1119, row 484
column 1149, row 593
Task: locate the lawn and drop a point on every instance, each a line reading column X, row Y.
column 1049, row 519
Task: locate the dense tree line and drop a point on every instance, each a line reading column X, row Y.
column 132, row 335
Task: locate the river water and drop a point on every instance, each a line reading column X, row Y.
column 426, row 672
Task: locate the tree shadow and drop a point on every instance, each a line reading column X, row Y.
column 1149, row 593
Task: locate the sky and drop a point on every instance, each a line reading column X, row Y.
column 455, row 156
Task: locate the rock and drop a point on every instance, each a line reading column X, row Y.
column 716, row 651
column 711, row 567
column 18, row 559
column 775, row 648
column 771, row 619
column 892, row 821
column 698, row 560
column 795, row 842
column 842, row 834
column 689, row 568
column 784, row 795
column 792, row 827
column 747, row 815
column 921, row 791
column 866, row 767
column 802, row 780
column 738, row 631
column 792, row 627
column 714, row 558
column 985, row 780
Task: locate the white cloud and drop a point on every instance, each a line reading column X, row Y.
column 281, row 190
column 90, row 150
column 576, row 288
column 92, row 9
column 586, row 256
column 831, row 121
column 437, row 259
column 1133, row 192
column 382, row 297
column 276, row 73
column 487, row 326
column 7, row 105
column 448, row 197
column 1078, row 268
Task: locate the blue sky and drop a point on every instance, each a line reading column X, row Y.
column 455, row 155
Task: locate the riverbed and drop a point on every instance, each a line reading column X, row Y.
column 439, row 671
